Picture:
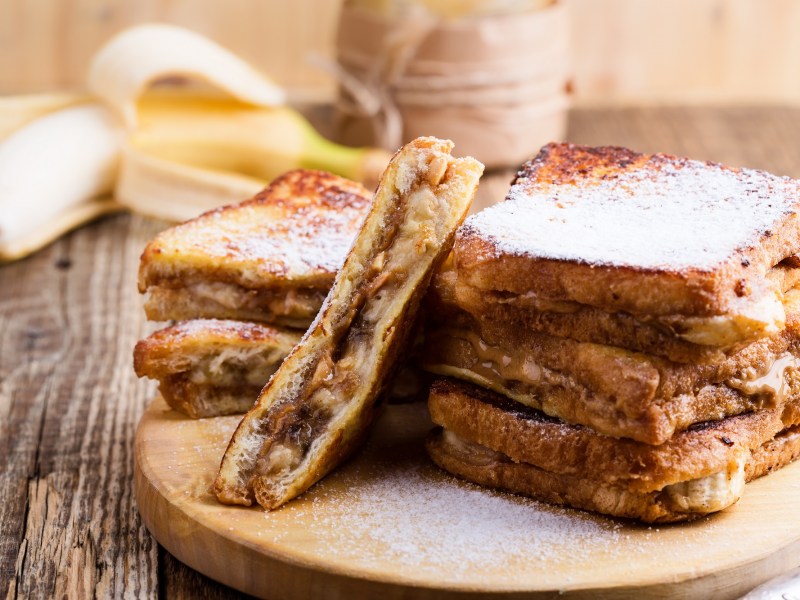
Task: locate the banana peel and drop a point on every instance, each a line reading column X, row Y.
column 17, row 111
column 175, row 191
column 258, row 142
column 168, row 155
column 139, row 56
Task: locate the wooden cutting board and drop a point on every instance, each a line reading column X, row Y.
column 390, row 525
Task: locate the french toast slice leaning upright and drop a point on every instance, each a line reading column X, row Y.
column 316, row 408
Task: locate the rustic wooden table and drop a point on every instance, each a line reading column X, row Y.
column 70, row 402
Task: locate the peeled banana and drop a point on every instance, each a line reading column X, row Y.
column 176, row 192
column 51, row 166
column 257, row 142
column 17, row 111
column 177, row 154
column 191, row 154
column 136, row 58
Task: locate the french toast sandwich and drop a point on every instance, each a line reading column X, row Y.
column 492, row 440
column 212, row 367
column 699, row 250
column 316, row 408
column 270, row 259
column 244, row 281
column 616, row 390
column 630, row 297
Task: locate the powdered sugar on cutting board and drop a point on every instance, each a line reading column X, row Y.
column 392, row 506
column 424, row 519
column 665, row 215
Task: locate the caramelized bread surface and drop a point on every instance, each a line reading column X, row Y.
column 272, row 258
column 650, row 235
column 486, row 467
column 528, row 435
column 666, row 337
column 493, row 441
column 316, row 408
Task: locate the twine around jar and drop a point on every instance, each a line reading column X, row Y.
column 389, row 68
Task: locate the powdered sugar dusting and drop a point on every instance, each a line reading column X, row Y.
column 417, row 517
column 301, row 226
column 664, row 215
column 291, row 244
column 392, row 506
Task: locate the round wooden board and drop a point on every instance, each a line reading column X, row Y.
column 389, row 524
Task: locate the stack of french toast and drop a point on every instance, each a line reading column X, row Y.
column 621, row 334
column 618, row 335
column 242, row 284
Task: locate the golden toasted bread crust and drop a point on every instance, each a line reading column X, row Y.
column 697, row 266
column 588, row 323
column 293, row 235
column 492, row 469
column 529, row 436
column 616, row 391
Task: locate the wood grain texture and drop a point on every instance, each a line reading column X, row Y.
column 69, row 401
column 47, row 44
column 309, row 543
column 68, row 318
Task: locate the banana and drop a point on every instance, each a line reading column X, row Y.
column 49, row 167
column 53, row 227
column 16, row 111
column 178, row 153
column 176, row 192
column 257, row 142
column 140, row 56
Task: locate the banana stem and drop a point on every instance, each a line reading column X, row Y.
column 359, row 164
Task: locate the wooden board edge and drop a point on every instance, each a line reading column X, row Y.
column 256, row 571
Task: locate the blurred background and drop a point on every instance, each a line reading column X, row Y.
column 623, row 51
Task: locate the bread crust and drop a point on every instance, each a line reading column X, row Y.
column 491, row 469
column 529, row 436
column 291, row 237
column 211, row 367
column 562, row 173
column 591, row 324
column 613, row 390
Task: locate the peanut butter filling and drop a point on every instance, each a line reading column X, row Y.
column 501, row 368
column 339, row 372
column 770, row 383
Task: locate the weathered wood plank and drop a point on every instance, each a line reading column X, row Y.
column 70, row 316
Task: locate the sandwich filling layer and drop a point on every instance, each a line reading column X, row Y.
column 492, row 440
column 617, row 392
column 699, row 496
column 759, row 314
column 176, row 300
